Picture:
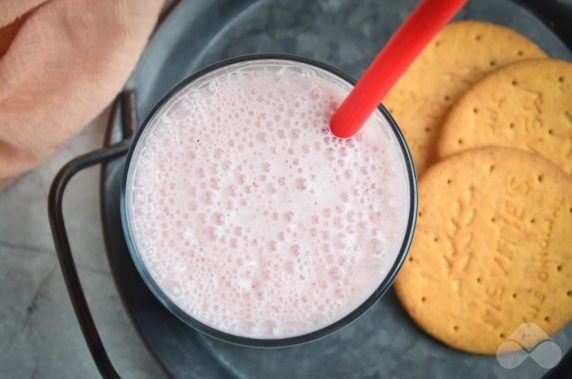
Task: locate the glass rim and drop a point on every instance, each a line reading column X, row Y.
column 165, row 300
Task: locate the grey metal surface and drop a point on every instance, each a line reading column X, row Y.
column 345, row 34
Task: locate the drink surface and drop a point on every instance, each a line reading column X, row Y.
column 250, row 216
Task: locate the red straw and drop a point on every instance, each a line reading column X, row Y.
column 419, row 29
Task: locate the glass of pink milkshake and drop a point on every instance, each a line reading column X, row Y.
column 249, row 220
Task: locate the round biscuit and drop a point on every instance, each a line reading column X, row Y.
column 491, row 250
column 525, row 105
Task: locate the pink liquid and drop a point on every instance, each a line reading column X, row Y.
column 250, row 216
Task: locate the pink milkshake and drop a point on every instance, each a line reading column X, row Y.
column 246, row 213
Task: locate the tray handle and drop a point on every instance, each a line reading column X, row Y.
column 125, row 101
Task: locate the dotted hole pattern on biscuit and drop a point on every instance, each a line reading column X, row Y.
column 561, row 79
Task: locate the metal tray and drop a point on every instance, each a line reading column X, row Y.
column 346, row 34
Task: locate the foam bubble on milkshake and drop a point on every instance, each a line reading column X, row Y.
column 247, row 212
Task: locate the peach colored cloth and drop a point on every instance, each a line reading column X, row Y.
column 61, row 63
